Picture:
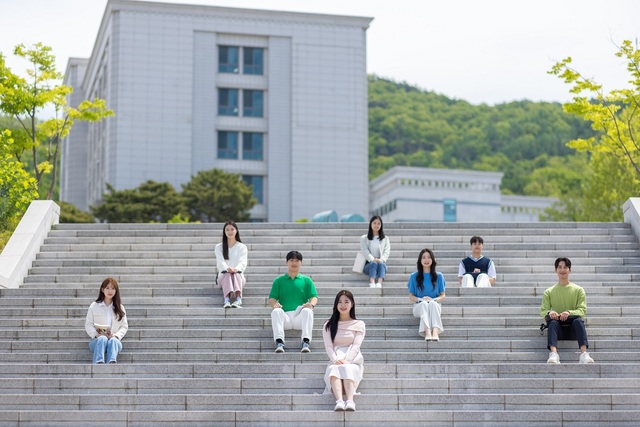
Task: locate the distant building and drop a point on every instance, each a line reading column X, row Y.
column 278, row 97
column 424, row 194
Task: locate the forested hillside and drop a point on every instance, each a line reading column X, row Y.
column 524, row 140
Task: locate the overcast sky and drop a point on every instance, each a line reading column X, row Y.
column 481, row 51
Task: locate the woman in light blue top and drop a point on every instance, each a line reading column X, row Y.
column 376, row 249
column 426, row 290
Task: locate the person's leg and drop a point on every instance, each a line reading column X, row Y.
column 580, row 332
column 279, row 322
column 482, row 281
column 467, row 281
column 434, row 310
column 224, row 279
column 349, row 389
column 114, row 347
column 553, row 328
column 336, row 387
column 420, row 311
column 98, row 346
column 304, row 322
column 382, row 272
column 370, row 269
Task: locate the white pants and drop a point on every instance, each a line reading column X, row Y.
column 429, row 315
column 481, row 282
column 281, row 320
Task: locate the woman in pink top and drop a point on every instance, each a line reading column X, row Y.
column 343, row 335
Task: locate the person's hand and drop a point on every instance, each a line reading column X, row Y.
column 277, row 305
column 476, row 270
column 307, row 305
column 231, row 270
column 340, row 362
column 563, row 316
column 553, row 315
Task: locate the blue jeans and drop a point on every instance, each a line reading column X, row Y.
column 101, row 344
column 375, row 269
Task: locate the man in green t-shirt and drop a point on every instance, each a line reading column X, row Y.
column 293, row 297
column 563, row 306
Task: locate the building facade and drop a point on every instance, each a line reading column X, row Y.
column 424, row 194
column 277, row 97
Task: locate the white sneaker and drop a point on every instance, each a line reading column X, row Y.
column 236, row 304
column 339, row 405
column 378, row 285
column 372, row 285
column 553, row 359
column 227, row 304
column 585, row 358
column 349, row 405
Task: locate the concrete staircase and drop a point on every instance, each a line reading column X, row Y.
column 188, row 362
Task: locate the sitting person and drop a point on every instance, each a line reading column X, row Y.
column 106, row 323
column 563, row 307
column 376, row 248
column 292, row 297
column 476, row 270
column 427, row 290
column 343, row 336
column 231, row 260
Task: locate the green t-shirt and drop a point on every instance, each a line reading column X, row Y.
column 561, row 298
column 291, row 293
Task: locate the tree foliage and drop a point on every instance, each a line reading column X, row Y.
column 614, row 148
column 150, row 202
column 24, row 98
column 70, row 213
column 218, row 196
column 412, row 127
column 17, row 187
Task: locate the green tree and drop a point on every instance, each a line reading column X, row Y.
column 218, row 196
column 70, row 213
column 24, row 98
column 17, row 187
column 614, row 149
column 150, row 202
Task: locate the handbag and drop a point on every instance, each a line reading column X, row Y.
column 358, row 265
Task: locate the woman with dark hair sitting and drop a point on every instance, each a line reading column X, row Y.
column 343, row 335
column 231, row 260
column 426, row 290
column 376, row 248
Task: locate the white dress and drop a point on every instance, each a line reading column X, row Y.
column 345, row 346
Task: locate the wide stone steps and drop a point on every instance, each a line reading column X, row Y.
column 188, row 362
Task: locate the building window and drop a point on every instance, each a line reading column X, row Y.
column 450, row 214
column 257, row 184
column 252, row 146
column 252, row 103
column 253, row 60
column 228, row 59
column 228, row 102
column 227, row 145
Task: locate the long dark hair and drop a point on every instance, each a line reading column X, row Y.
column 332, row 323
column 380, row 233
column 117, row 305
column 432, row 270
column 225, row 241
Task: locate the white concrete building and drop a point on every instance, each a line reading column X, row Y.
column 424, row 194
column 278, row 97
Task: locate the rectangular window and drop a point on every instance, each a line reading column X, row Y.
column 228, row 59
column 256, row 182
column 228, row 102
column 253, row 60
column 450, row 214
column 252, row 103
column 227, row 145
column 252, row 146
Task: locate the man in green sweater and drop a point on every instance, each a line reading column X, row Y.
column 563, row 306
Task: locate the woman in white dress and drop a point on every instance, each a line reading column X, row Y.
column 231, row 259
column 343, row 335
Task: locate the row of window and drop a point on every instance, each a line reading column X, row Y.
column 252, row 145
column 252, row 60
column 252, row 102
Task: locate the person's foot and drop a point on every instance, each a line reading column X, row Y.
column 237, row 304
column 379, row 285
column 280, row 348
column 427, row 334
column 226, row 304
column 305, row 348
column 113, row 362
column 372, row 285
column 349, row 405
column 434, row 335
column 339, row 405
column 553, row 359
column 585, row 358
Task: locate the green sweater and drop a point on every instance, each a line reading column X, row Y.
column 561, row 298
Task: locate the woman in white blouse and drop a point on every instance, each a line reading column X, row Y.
column 106, row 323
column 343, row 335
column 376, row 248
column 231, row 259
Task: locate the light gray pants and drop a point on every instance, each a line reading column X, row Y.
column 429, row 315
